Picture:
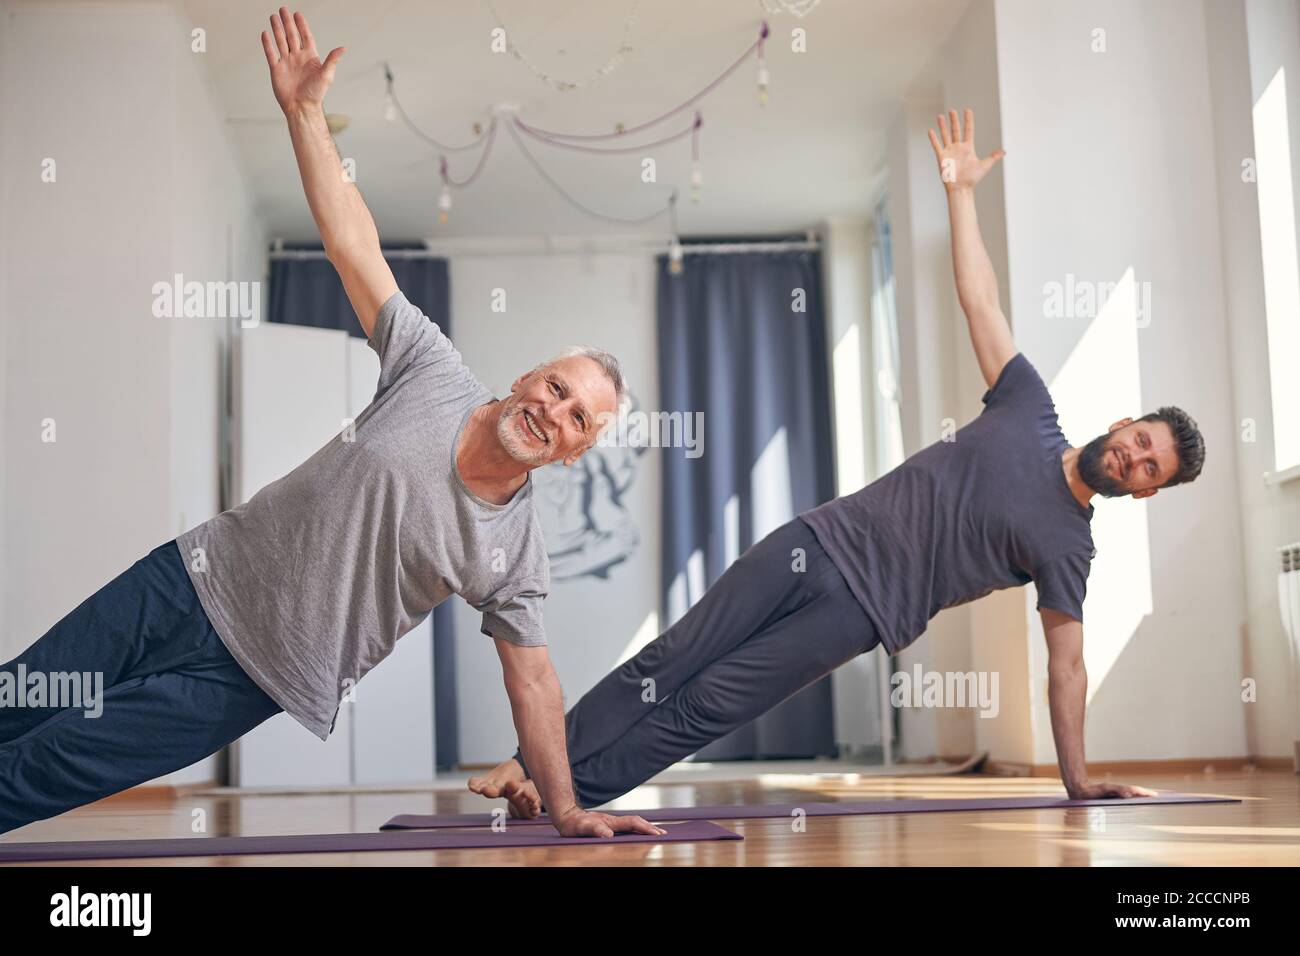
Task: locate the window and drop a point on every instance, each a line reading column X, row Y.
column 884, row 347
column 1277, row 229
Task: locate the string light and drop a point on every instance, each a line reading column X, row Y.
column 798, row 8
column 697, row 175
column 621, row 130
column 444, row 198
column 563, row 193
column 436, row 144
column 390, row 105
column 564, row 86
column 675, row 245
column 393, row 109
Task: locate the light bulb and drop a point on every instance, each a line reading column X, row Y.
column 697, row 180
column 444, row 204
column 675, row 257
column 390, row 108
column 762, row 82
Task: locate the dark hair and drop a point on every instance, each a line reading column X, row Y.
column 1187, row 439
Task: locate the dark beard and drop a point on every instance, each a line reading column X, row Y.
column 1092, row 472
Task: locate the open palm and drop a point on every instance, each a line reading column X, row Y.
column 298, row 77
column 959, row 166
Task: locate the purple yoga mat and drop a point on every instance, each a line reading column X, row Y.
column 512, row 836
column 410, row 821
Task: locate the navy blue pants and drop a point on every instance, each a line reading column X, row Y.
column 780, row 618
column 172, row 695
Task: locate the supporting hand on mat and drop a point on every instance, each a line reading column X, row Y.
column 298, row 76
column 959, row 166
column 526, row 803
column 578, row 822
column 537, row 704
column 507, row 780
column 1109, row 791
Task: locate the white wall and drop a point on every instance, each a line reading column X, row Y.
column 78, row 511
column 1251, row 41
column 939, row 382
column 859, row 685
column 6, row 216
column 968, row 71
column 215, row 234
column 1110, row 158
column 552, row 302
column 147, row 186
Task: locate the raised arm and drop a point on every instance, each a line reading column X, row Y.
column 299, row 80
column 977, row 285
column 1067, row 693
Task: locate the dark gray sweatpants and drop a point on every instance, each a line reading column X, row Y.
column 172, row 694
column 763, row 632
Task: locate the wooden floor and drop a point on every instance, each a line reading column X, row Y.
column 1264, row 830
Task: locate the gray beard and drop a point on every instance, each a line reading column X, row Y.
column 511, row 441
column 1092, row 471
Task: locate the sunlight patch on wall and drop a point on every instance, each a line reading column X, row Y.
column 850, row 449
column 645, row 633
column 687, row 587
column 1281, row 269
column 731, row 530
column 771, row 505
column 773, row 501
column 1101, row 383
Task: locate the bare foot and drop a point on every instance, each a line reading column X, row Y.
column 525, row 802
column 493, row 784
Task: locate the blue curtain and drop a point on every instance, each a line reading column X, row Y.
column 734, row 346
column 309, row 292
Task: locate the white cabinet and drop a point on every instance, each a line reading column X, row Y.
column 295, row 387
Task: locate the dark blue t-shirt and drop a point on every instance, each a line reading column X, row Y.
column 989, row 509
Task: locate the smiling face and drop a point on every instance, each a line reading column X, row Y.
column 1134, row 458
column 554, row 412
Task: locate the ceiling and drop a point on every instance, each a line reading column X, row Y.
column 813, row 152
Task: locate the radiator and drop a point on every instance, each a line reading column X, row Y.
column 1288, row 596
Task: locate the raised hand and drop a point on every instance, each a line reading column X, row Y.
column 298, row 77
column 959, row 166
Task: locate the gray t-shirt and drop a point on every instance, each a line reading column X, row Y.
column 988, row 510
column 311, row 582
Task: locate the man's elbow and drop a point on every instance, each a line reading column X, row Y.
column 1065, row 668
column 980, row 302
column 531, row 683
column 344, row 250
column 522, row 688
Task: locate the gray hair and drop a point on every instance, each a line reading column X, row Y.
column 608, row 364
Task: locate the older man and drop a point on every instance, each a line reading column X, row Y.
column 286, row 601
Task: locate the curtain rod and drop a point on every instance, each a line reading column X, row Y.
column 551, row 249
